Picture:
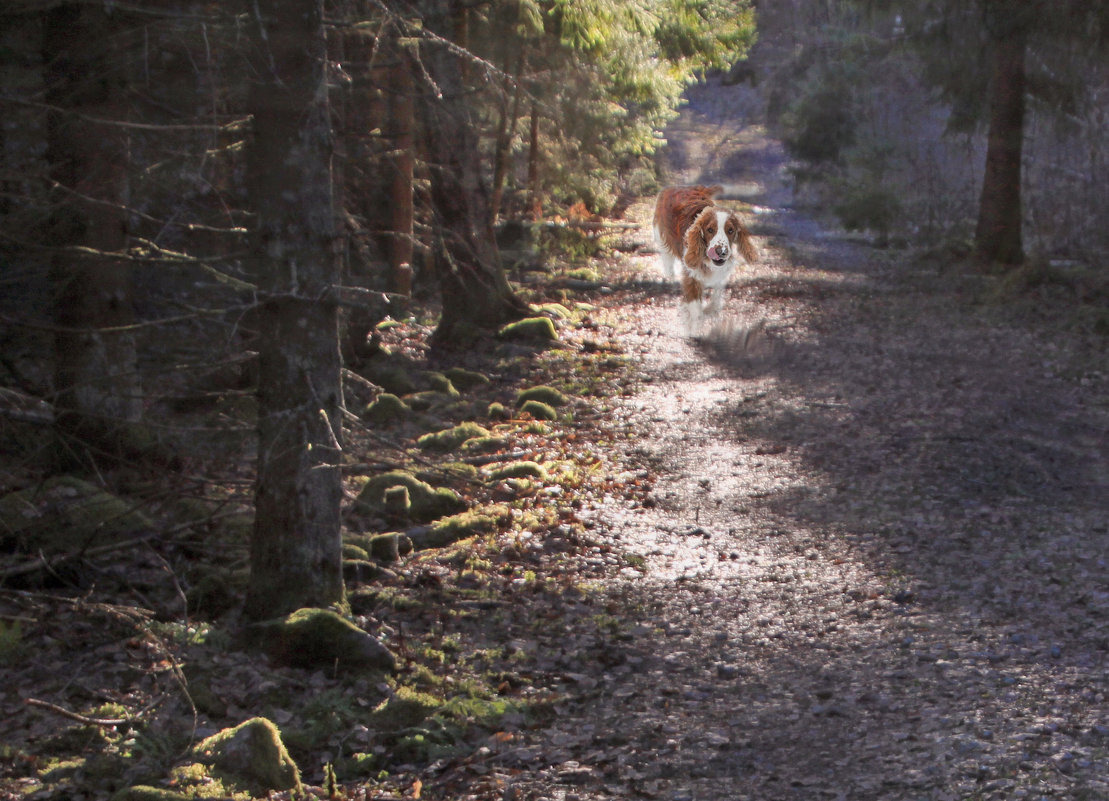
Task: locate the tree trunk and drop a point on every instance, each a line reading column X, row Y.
column 510, row 114
column 535, row 198
column 403, row 161
column 475, row 292
column 96, row 376
column 998, row 236
column 295, row 554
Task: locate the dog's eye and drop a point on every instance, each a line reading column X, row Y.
column 730, row 230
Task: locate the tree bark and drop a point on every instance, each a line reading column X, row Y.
column 998, row 236
column 510, row 115
column 403, row 164
column 96, row 378
column 475, row 292
column 296, row 546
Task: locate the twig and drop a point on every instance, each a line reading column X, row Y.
column 65, row 713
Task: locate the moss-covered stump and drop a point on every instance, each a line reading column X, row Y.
column 543, row 394
column 383, row 547
column 450, row 439
column 67, row 514
column 250, row 757
column 386, row 409
column 425, row 502
column 314, row 638
column 388, row 547
column 540, row 329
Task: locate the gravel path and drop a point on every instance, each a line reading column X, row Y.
column 874, row 556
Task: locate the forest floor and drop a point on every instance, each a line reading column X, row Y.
column 875, row 560
column 852, row 545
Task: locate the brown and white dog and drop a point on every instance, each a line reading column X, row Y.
column 699, row 244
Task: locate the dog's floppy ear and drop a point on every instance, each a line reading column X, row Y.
column 743, row 237
column 696, row 243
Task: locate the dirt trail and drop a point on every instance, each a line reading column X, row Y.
column 874, row 560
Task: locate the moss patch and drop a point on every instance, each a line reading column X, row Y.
column 311, row 638
column 386, row 409
column 66, row 514
column 453, row 529
column 251, row 757
column 543, row 394
column 425, row 502
column 530, row 328
column 524, row 469
column 451, row 438
column 539, row 410
column 466, row 380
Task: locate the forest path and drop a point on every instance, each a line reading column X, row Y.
column 874, row 560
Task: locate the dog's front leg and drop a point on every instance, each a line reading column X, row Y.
column 715, row 302
column 690, row 313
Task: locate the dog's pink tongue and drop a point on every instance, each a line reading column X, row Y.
column 718, row 252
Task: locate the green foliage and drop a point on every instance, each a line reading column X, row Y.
column 820, row 125
column 605, row 77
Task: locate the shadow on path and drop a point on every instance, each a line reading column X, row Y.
column 874, row 558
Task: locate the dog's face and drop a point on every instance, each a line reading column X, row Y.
column 715, row 241
column 722, row 232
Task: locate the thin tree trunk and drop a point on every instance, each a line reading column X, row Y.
column 96, row 376
column 998, row 235
column 295, row 546
column 510, row 114
column 404, row 142
column 535, row 199
column 475, row 292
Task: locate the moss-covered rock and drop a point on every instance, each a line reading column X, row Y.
column 485, row 444
column 425, row 502
column 251, row 757
column 498, row 411
column 386, row 409
column 539, row 410
column 312, row 638
column 523, row 469
column 352, row 551
column 543, row 394
column 553, row 310
column 438, row 382
column 530, row 328
column 392, row 375
column 466, row 380
column 405, row 709
column 451, row 438
column 429, row 399
column 142, row 792
column 67, row 514
column 452, row 529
